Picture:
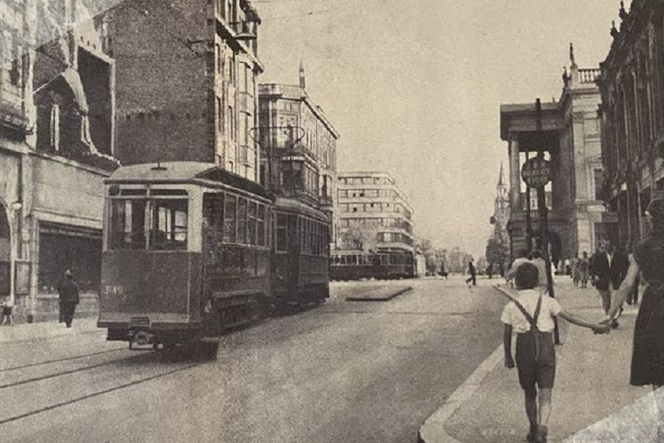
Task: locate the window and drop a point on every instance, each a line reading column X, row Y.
column 242, row 221
column 597, row 176
column 169, row 225
column 128, row 219
column 251, row 223
column 282, row 233
column 220, row 59
column 220, row 115
column 230, row 208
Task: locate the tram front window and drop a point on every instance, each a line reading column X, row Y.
column 163, row 222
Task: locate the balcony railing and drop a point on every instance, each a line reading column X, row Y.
column 589, row 75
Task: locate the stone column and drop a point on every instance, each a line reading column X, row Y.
column 515, row 172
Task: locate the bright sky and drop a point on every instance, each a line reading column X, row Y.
column 414, row 87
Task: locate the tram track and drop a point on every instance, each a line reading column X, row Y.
column 63, row 373
column 59, row 360
column 96, row 393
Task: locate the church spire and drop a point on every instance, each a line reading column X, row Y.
column 303, row 79
column 501, row 178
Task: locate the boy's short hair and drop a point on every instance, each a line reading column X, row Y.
column 527, row 276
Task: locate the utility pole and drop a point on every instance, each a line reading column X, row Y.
column 543, row 213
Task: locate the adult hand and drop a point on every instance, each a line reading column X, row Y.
column 601, row 328
column 509, row 362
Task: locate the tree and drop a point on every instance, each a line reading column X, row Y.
column 496, row 251
column 360, row 236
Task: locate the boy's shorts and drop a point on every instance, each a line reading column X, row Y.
column 540, row 372
column 6, row 311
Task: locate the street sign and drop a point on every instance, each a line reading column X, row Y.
column 536, row 172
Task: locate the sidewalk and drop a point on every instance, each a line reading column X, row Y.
column 592, row 383
column 26, row 332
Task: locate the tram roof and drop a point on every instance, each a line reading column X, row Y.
column 298, row 206
column 183, row 172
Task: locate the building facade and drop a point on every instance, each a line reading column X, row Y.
column 299, row 145
column 186, row 81
column 56, row 147
column 632, row 86
column 571, row 140
column 373, row 211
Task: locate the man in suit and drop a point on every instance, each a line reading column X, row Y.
column 608, row 268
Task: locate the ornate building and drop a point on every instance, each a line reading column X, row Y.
column 571, row 139
column 299, row 145
column 56, row 147
column 632, row 85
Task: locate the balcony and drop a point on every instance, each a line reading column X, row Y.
column 589, row 75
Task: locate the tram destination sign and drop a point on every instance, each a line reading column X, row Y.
column 536, row 172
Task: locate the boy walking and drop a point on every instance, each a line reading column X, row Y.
column 7, row 307
column 531, row 316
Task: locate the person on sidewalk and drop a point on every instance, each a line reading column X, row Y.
column 69, row 298
column 647, row 366
column 584, row 270
column 531, row 316
column 608, row 268
column 574, row 270
column 472, row 279
column 7, row 307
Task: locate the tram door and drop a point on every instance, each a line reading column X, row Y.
column 5, row 252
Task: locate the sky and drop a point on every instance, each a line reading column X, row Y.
column 414, row 87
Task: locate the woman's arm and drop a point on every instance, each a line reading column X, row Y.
column 628, row 283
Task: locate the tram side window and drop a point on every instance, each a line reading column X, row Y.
column 230, row 208
column 128, row 224
column 282, row 233
column 260, row 225
column 242, row 221
column 169, row 225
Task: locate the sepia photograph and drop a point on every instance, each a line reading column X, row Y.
column 331, row 221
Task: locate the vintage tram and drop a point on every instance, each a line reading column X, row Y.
column 191, row 250
column 356, row 265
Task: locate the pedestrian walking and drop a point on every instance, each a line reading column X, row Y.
column 531, row 316
column 584, row 269
column 7, row 308
column 647, row 366
column 608, row 268
column 633, row 296
column 472, row 279
column 574, row 270
column 69, row 298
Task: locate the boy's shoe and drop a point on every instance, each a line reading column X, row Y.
column 532, row 435
column 542, row 434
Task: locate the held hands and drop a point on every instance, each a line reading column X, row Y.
column 602, row 327
column 509, row 362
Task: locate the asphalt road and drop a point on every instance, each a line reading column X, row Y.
column 344, row 372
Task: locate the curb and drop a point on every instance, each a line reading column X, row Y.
column 390, row 297
column 433, row 431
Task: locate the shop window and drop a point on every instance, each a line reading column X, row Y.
column 79, row 253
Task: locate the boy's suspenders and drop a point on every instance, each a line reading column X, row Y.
column 532, row 320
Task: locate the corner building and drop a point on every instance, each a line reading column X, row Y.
column 299, row 146
column 186, row 81
column 372, row 200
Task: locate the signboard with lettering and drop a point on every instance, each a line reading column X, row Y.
column 536, row 172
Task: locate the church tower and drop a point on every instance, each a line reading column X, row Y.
column 501, row 212
column 303, row 79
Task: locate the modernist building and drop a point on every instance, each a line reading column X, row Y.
column 186, row 81
column 371, row 202
column 299, row 145
column 632, row 85
column 56, row 147
column 571, row 138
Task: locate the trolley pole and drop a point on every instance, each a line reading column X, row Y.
column 544, row 218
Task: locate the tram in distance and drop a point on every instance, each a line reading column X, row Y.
column 191, row 250
column 356, row 265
